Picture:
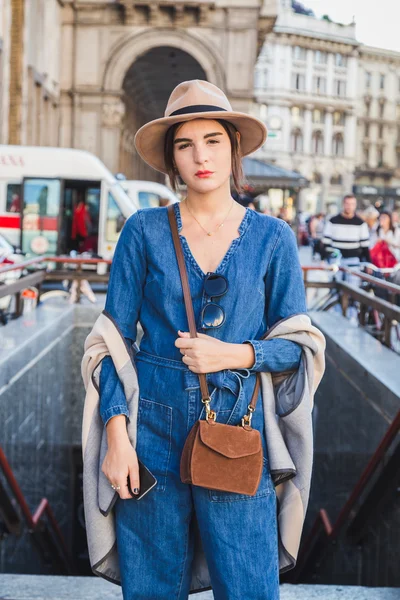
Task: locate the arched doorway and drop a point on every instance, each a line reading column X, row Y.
column 147, row 86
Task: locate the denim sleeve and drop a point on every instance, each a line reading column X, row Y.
column 112, row 395
column 285, row 297
column 123, row 303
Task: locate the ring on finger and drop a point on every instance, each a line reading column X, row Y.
column 115, row 487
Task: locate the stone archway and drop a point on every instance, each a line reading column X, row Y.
column 138, row 79
column 146, row 89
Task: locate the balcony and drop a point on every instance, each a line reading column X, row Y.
column 378, row 171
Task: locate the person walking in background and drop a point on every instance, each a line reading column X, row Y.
column 371, row 215
column 81, row 224
column 385, row 247
column 347, row 233
column 316, row 230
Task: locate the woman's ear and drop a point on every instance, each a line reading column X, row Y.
column 238, row 136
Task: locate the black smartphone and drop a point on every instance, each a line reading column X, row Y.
column 147, row 482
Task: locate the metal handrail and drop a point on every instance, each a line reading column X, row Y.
column 34, row 521
column 56, row 259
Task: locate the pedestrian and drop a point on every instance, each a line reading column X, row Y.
column 81, row 224
column 348, row 234
column 316, row 229
column 388, row 234
column 244, row 278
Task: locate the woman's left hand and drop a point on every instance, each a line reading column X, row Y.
column 202, row 354
column 206, row 354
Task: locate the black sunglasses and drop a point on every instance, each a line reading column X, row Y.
column 212, row 314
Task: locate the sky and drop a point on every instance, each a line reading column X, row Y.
column 377, row 22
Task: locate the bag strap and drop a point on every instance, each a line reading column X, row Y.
column 205, row 394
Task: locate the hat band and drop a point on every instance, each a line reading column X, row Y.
column 197, row 108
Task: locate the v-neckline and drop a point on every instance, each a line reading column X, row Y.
column 233, row 245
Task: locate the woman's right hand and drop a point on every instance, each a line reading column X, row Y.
column 121, row 459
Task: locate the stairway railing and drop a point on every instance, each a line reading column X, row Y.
column 46, row 534
column 323, row 532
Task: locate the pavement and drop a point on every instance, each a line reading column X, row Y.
column 57, row 587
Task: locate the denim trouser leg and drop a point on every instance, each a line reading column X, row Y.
column 155, row 536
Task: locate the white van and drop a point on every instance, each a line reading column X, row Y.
column 40, row 188
column 148, row 193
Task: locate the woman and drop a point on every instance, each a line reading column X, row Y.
column 389, row 233
column 201, row 140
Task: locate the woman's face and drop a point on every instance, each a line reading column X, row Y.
column 202, row 154
column 384, row 221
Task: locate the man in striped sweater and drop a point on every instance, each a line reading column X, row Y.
column 347, row 233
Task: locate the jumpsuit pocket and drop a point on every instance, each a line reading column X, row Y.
column 265, row 488
column 154, row 438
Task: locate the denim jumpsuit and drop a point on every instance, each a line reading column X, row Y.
column 238, row 532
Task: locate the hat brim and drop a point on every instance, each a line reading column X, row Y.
column 149, row 139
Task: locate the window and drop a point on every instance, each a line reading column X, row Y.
column 382, row 81
column 13, row 200
column 339, row 87
column 336, row 180
column 317, row 177
column 297, row 141
column 368, row 78
column 318, row 116
column 299, row 53
column 380, row 132
column 338, row 145
column 381, row 110
column 297, row 113
column 398, row 160
column 320, row 57
column 366, row 133
column 398, row 134
column 298, row 81
column 41, row 210
column 338, row 117
column 319, row 85
column 367, row 108
column 366, row 156
column 148, row 199
column 340, row 60
column 318, row 142
column 380, row 156
column 115, row 219
column 398, row 112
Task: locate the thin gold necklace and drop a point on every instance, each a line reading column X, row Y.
column 219, row 226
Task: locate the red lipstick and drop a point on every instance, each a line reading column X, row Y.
column 203, row 173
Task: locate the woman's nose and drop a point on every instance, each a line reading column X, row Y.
column 200, row 155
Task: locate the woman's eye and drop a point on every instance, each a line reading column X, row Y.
column 183, row 146
column 213, row 141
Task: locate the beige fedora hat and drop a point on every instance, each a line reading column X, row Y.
column 190, row 100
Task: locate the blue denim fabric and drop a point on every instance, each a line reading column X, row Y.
column 155, row 535
column 265, row 286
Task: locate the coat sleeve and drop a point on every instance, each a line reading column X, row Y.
column 285, row 297
column 123, row 304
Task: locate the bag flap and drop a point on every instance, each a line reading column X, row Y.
column 230, row 440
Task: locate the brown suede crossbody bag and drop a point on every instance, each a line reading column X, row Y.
column 217, row 456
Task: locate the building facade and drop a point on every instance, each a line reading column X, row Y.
column 122, row 59
column 306, row 90
column 377, row 174
column 30, row 66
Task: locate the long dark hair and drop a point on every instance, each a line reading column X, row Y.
column 391, row 224
column 237, row 168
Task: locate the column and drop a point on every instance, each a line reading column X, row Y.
column 328, row 131
column 307, row 131
column 350, row 137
